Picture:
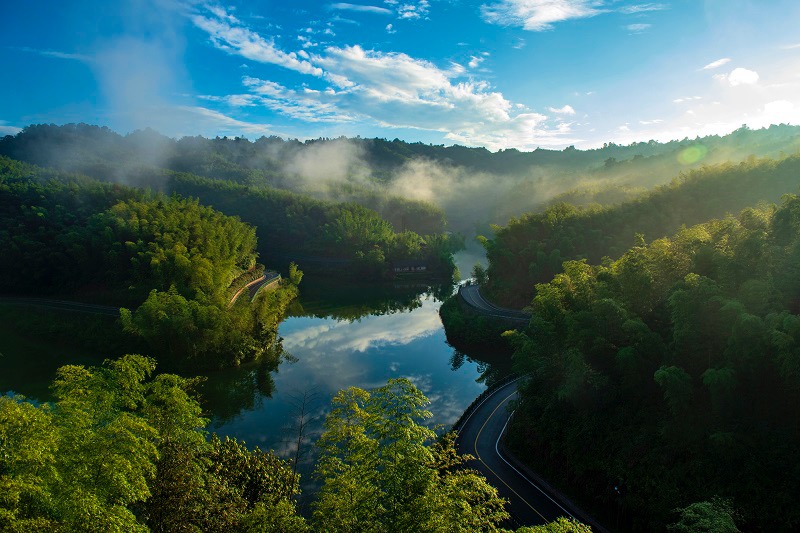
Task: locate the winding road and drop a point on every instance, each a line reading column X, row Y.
column 254, row 286
column 529, row 503
column 471, row 295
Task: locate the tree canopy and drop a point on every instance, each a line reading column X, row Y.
column 531, row 249
column 677, row 363
column 122, row 448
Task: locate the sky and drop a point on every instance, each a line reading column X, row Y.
column 495, row 73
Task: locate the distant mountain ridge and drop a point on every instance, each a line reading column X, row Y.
column 41, row 143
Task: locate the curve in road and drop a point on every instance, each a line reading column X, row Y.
column 269, row 277
column 480, row 434
column 472, row 296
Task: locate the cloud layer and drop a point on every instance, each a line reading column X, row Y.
column 390, row 89
column 541, row 15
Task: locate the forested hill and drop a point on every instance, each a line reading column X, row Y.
column 531, row 249
column 90, row 149
column 407, row 184
column 332, row 172
column 296, row 226
column 672, row 376
column 171, row 260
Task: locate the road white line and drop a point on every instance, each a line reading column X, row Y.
column 523, row 476
column 464, row 423
column 489, row 468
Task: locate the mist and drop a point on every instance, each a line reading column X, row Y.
column 474, row 188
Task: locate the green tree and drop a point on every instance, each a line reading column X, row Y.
column 716, row 515
column 479, row 273
column 121, row 451
column 380, row 471
column 295, row 274
column 562, row 525
column 28, row 448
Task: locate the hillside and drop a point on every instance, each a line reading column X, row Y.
column 408, row 184
column 667, row 373
column 530, row 249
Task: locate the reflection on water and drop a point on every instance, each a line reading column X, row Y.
column 493, row 366
column 337, row 336
column 336, row 343
column 231, row 391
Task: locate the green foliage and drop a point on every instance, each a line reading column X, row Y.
column 174, row 242
column 91, row 462
column 468, row 329
column 479, row 273
column 295, row 274
column 562, row 525
column 380, row 471
column 715, row 516
column 531, row 249
column 126, row 245
column 317, row 232
column 676, row 361
column 120, row 450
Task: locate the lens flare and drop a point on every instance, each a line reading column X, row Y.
column 693, row 154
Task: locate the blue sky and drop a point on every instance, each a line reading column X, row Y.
column 494, row 73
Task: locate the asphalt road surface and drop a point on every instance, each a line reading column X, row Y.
column 528, row 504
column 268, row 277
column 472, row 296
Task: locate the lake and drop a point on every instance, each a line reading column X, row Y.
column 336, row 336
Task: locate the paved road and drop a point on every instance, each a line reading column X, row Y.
column 269, row 277
column 472, row 296
column 62, row 305
column 528, row 504
column 253, row 287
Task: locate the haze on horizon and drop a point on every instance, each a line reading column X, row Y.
column 495, row 73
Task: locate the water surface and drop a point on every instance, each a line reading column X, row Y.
column 377, row 333
column 336, row 336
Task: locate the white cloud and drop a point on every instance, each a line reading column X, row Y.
column 307, row 105
column 392, row 329
column 718, row 63
column 362, row 8
column 242, row 41
column 566, row 110
column 642, row 8
column 412, row 10
column 5, row 129
column 390, row 29
column 539, row 15
column 233, row 100
column 651, row 122
column 637, row 28
column 687, row 99
column 305, row 42
column 791, row 46
column 475, row 61
column 778, row 112
column 722, row 109
column 205, row 118
column 739, row 76
column 55, row 54
column 389, row 89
